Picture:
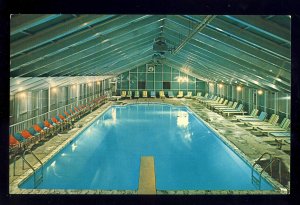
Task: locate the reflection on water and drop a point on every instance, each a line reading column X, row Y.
column 114, row 115
column 74, row 146
column 182, row 119
column 183, row 123
column 113, row 120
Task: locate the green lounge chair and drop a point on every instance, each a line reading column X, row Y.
column 180, row 94
column 136, row 94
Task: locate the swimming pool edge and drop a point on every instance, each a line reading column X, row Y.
column 14, row 189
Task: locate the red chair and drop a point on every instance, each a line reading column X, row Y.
column 26, row 134
column 43, row 133
column 14, row 146
column 13, row 142
column 51, row 127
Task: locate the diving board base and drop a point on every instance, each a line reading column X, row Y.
column 147, row 176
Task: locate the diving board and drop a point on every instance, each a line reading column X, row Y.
column 147, row 176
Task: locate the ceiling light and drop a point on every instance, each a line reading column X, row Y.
column 260, row 92
column 220, row 85
column 238, row 88
column 23, row 95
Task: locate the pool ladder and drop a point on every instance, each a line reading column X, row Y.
column 36, row 179
column 257, row 180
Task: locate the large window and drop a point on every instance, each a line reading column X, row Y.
column 142, row 84
column 166, row 85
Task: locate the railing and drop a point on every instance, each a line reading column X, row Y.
column 257, row 180
column 37, row 180
column 31, row 121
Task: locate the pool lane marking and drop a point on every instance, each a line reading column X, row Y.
column 147, row 183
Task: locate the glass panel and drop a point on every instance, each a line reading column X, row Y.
column 175, row 71
column 271, row 100
column 158, row 85
column 150, row 76
column 142, row 76
column 133, row 76
column 158, row 68
column 124, row 76
column 133, row 85
column 158, row 77
column 167, row 76
column 142, row 68
column 141, row 85
column 167, row 69
column 175, row 76
column 174, row 85
column 133, row 70
column 281, row 102
column 125, row 85
column 150, row 85
column 166, row 85
column 183, row 86
column 191, row 78
column 191, row 85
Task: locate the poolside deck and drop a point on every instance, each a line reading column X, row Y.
column 249, row 145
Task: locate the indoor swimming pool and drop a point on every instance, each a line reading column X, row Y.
column 187, row 154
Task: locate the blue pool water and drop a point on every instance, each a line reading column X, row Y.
column 187, row 154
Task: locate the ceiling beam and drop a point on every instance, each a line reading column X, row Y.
column 82, row 41
column 53, row 33
column 265, row 26
column 23, row 22
column 246, row 37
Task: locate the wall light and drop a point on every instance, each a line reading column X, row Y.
column 23, row 95
column 98, row 83
column 74, row 86
column 260, row 92
column 90, row 84
column 238, row 88
column 54, row 90
column 220, row 85
column 182, row 79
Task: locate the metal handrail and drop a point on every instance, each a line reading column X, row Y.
column 30, row 151
column 270, row 164
column 256, row 163
column 31, row 167
column 34, row 171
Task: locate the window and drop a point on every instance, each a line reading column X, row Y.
column 142, row 85
column 166, row 85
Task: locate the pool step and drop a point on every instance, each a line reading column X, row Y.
column 147, row 176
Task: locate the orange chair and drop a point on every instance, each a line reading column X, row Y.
column 51, row 128
column 14, row 146
column 13, row 142
column 26, row 134
column 43, row 133
column 55, row 121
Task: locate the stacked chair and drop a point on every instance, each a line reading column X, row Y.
column 43, row 130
